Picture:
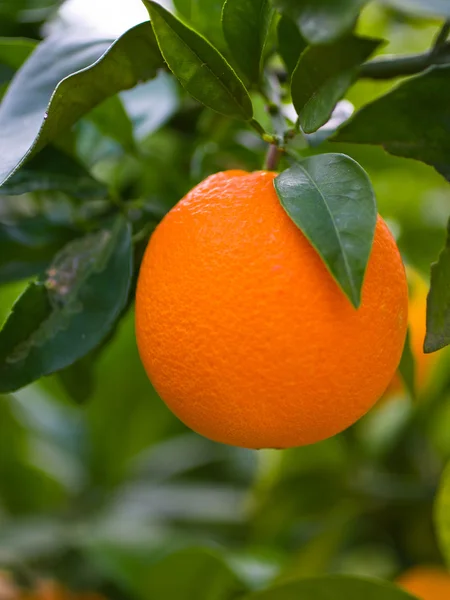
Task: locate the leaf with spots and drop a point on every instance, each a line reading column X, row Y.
column 67, row 313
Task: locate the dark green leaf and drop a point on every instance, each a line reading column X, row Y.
column 323, row 75
column 205, row 17
column 34, row 113
column 442, row 515
column 330, row 198
column 407, row 367
column 322, row 21
column 413, row 120
column 438, row 302
column 15, row 51
column 201, row 69
column 422, row 7
column 62, row 317
column 246, row 25
column 78, row 380
column 329, row 588
column 53, row 170
column 291, row 43
column 27, row 246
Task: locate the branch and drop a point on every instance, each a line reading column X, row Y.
column 404, row 66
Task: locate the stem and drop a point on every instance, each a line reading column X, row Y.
column 389, row 68
column 273, row 158
column 441, row 38
column 257, row 127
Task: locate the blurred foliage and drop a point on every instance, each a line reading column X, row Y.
column 115, row 494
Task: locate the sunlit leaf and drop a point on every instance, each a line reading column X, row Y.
column 201, row 69
column 65, row 78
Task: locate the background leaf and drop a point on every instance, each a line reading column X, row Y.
column 438, row 303
column 322, row 21
column 312, row 192
column 53, row 170
column 323, row 75
column 413, row 120
column 407, row 366
column 246, row 25
column 58, row 320
column 442, row 514
column 132, row 58
column 15, row 51
column 28, row 245
column 205, row 16
column 291, row 43
column 333, row 587
column 201, row 69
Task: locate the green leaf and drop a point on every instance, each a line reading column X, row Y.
column 15, row 51
column 196, row 569
column 322, row 21
column 205, row 16
column 48, row 96
column 28, row 245
column 438, row 8
column 246, row 25
column 413, row 120
column 53, row 170
column 112, row 121
column 442, row 515
column 200, row 68
column 62, row 317
column 329, row 588
column 438, row 302
column 407, row 367
column 330, row 198
column 78, row 380
column 324, row 74
column 291, row 43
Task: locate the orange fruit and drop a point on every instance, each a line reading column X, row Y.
column 424, row 363
column 427, row 583
column 243, row 331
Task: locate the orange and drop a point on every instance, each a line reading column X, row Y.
column 424, row 363
column 243, row 331
column 427, row 583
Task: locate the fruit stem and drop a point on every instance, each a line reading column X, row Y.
column 273, row 158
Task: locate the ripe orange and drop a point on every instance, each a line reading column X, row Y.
column 243, row 331
column 427, row 583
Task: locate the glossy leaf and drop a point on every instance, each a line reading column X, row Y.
column 328, row 588
column 322, row 21
column 53, row 170
column 438, row 302
column 291, row 43
column 323, row 75
column 407, row 367
column 410, row 121
column 330, row 198
column 439, row 8
column 200, row 68
column 65, row 78
column 28, row 245
column 246, row 25
column 63, row 316
column 442, row 515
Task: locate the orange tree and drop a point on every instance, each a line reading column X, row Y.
column 271, row 308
